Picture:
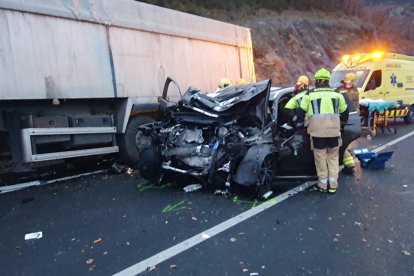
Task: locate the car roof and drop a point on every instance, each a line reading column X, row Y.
column 277, row 92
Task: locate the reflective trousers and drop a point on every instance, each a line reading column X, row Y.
column 348, row 159
column 327, row 167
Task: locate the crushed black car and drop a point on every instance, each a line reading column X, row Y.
column 237, row 138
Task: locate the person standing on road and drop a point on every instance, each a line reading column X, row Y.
column 348, row 87
column 326, row 109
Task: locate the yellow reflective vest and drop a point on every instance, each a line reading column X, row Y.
column 323, row 107
column 295, row 101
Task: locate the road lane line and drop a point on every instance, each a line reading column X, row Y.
column 393, row 142
column 213, row 231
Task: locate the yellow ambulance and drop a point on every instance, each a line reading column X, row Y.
column 386, row 76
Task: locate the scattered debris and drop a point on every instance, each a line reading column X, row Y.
column 233, row 239
column 89, row 261
column 267, row 194
column 406, row 253
column 221, row 192
column 131, row 171
column 97, row 241
column 117, row 168
column 192, row 187
column 173, row 266
column 176, row 207
column 33, row 236
column 151, row 268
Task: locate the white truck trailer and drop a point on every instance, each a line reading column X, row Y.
column 78, row 77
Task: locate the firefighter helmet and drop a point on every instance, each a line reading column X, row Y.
column 350, row 77
column 322, row 74
column 303, row 80
column 224, row 83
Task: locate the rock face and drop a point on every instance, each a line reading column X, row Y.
column 394, row 25
column 290, row 44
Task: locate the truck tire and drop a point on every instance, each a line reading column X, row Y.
column 128, row 149
column 409, row 119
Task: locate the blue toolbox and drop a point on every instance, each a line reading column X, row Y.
column 369, row 160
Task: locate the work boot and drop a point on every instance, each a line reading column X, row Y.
column 348, row 170
column 333, row 185
column 320, row 189
column 332, row 190
column 322, row 185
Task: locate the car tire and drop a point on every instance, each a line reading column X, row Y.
column 128, row 148
column 409, row 118
column 263, row 188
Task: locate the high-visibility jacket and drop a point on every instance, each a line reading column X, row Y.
column 295, row 101
column 352, row 94
column 323, row 107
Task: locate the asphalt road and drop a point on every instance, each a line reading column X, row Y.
column 103, row 224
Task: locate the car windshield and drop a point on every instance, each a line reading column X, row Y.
column 338, row 76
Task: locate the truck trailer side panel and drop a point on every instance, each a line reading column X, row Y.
column 100, row 65
column 67, row 49
column 49, row 57
column 143, row 60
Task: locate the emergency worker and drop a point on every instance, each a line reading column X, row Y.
column 348, row 87
column 301, row 87
column 325, row 109
column 240, row 81
column 223, row 83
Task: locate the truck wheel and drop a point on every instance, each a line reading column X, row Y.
column 409, row 119
column 128, row 148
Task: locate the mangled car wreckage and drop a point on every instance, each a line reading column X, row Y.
column 238, row 137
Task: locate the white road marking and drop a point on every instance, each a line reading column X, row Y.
column 213, row 231
column 199, row 238
column 393, row 142
column 16, row 187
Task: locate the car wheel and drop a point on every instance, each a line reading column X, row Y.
column 132, row 141
column 263, row 189
column 409, row 118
